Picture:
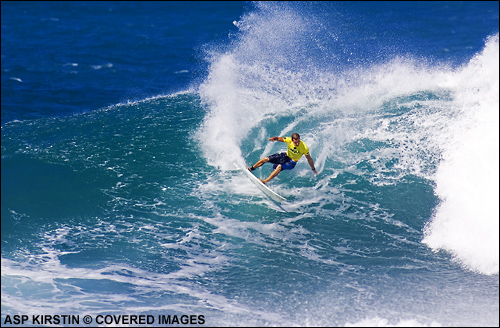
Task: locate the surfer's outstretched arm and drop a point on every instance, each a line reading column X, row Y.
column 276, row 139
column 311, row 163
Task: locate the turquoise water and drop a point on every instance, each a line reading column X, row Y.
column 134, row 207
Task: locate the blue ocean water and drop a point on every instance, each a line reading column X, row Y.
column 121, row 122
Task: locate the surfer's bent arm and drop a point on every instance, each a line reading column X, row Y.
column 311, row 163
column 276, row 139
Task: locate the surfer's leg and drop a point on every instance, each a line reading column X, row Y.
column 272, row 175
column 259, row 163
column 275, row 159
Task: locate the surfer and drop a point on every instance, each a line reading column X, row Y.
column 286, row 161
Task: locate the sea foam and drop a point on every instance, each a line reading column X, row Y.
column 466, row 221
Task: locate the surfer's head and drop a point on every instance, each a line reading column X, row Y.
column 296, row 139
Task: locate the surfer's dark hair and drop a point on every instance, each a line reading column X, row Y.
column 295, row 136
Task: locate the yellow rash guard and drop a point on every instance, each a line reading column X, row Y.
column 295, row 152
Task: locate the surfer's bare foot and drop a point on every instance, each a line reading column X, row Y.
column 263, row 181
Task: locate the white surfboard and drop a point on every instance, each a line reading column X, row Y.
column 268, row 192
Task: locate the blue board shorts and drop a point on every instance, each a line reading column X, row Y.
column 282, row 158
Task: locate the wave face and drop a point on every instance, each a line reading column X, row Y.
column 135, row 208
column 400, row 117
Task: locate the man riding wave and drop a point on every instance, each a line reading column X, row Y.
column 286, row 161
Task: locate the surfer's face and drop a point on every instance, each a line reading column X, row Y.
column 296, row 142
